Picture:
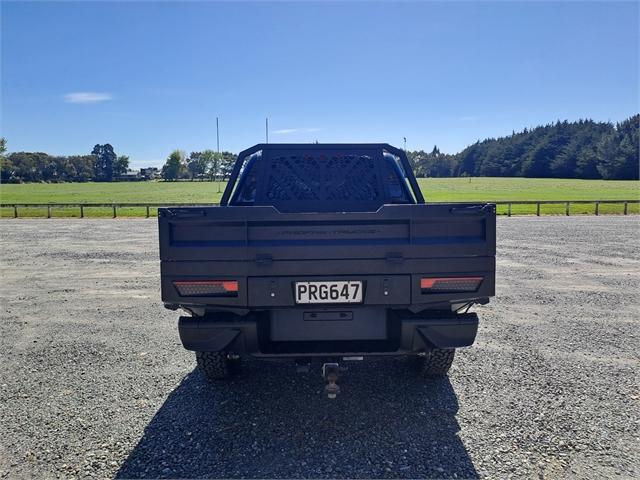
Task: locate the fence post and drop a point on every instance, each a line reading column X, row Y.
column 147, row 211
column 566, row 209
column 81, row 211
column 15, row 211
column 597, row 208
column 626, row 204
column 509, row 211
column 114, row 211
column 48, row 211
column 538, row 209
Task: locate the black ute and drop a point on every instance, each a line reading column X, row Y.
column 326, row 251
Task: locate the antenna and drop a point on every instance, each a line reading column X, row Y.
column 266, row 128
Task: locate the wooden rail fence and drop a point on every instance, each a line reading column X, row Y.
column 148, row 206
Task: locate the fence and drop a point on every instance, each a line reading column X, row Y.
column 567, row 204
column 148, row 206
column 113, row 206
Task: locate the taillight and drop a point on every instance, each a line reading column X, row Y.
column 450, row 284
column 207, row 288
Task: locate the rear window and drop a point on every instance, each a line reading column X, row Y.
column 395, row 182
column 245, row 192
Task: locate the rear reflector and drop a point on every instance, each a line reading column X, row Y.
column 207, row 288
column 450, row 284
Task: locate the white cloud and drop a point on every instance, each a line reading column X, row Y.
column 286, row 131
column 87, row 97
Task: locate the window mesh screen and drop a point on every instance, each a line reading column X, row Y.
column 322, row 177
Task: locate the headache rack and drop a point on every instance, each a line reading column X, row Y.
column 322, row 177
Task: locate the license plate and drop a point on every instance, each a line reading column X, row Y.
column 328, row 292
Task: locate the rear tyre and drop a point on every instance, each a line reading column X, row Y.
column 435, row 363
column 217, row 365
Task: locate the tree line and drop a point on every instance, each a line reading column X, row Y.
column 204, row 165
column 582, row 149
column 101, row 165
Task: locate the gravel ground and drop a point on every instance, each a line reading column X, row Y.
column 94, row 381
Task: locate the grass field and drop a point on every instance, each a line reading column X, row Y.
column 434, row 190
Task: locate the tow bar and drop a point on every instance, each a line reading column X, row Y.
column 330, row 375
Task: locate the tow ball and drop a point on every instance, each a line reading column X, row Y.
column 330, row 375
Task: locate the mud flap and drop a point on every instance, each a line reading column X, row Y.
column 200, row 337
column 448, row 333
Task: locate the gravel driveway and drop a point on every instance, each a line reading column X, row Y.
column 94, row 381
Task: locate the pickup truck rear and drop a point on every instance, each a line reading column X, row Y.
column 326, row 251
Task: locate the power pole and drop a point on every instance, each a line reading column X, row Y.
column 218, row 152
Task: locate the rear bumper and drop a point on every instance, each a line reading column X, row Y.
column 407, row 334
column 393, row 285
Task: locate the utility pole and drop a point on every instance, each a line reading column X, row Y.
column 217, row 136
column 405, row 144
column 218, row 153
column 266, row 128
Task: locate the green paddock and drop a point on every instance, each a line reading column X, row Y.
column 473, row 189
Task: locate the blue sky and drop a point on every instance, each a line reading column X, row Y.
column 152, row 77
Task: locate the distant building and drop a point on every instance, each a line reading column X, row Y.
column 150, row 173
column 129, row 176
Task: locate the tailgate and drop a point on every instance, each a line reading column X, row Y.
column 246, row 242
column 254, row 233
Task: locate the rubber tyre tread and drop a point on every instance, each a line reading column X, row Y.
column 437, row 362
column 214, row 365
